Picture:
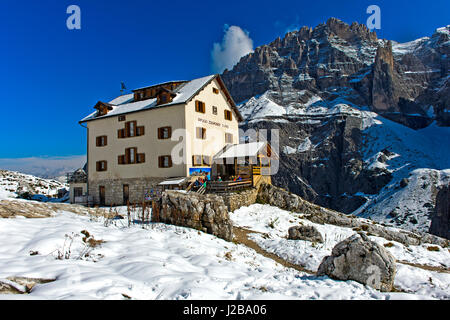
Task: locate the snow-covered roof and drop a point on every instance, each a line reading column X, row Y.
column 124, row 104
column 172, row 181
column 241, row 150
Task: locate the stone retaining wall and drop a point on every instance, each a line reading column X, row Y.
column 243, row 198
column 207, row 213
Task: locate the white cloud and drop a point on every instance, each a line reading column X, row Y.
column 236, row 43
column 44, row 167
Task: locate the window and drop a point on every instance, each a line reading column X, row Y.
column 199, row 106
column 121, row 118
column 164, row 161
column 77, row 192
column 214, row 110
column 131, row 130
column 201, row 133
column 101, row 141
column 216, row 91
column 228, row 138
column 101, row 165
column 164, row 133
column 196, row 160
column 206, row 160
column 228, row 115
column 132, row 155
column 199, row 160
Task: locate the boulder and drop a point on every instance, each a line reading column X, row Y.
column 207, row 213
column 308, row 233
column 440, row 220
column 360, row 259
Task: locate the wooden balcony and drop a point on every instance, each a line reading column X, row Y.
column 226, row 186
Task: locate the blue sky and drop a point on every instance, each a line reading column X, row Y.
column 52, row 76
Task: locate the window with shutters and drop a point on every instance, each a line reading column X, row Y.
column 200, row 106
column 101, row 165
column 131, row 156
column 200, row 160
column 101, row 141
column 228, row 138
column 121, row 118
column 214, row 110
column 131, row 130
column 164, row 161
column 164, row 133
column 228, row 115
column 215, row 90
column 200, row 133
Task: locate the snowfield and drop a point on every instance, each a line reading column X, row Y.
column 271, row 224
column 169, row 262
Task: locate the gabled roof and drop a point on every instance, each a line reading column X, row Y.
column 242, row 150
column 183, row 93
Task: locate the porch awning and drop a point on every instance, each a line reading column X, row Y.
column 242, row 150
column 173, row 181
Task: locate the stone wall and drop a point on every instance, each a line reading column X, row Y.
column 114, row 189
column 238, row 199
column 207, row 213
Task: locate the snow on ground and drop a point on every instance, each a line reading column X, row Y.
column 271, row 225
column 418, row 155
column 158, row 262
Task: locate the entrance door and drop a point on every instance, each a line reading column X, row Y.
column 126, row 194
column 101, row 192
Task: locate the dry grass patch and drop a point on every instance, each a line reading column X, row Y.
column 33, row 209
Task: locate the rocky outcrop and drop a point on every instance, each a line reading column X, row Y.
column 308, row 233
column 286, row 200
column 360, row 259
column 207, row 213
column 339, row 62
column 331, row 172
column 440, row 221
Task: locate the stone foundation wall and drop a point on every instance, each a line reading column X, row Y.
column 114, row 189
column 236, row 200
column 202, row 212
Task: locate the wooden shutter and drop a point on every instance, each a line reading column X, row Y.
column 127, row 130
column 160, row 161
column 127, row 156
column 121, row 159
column 106, row 140
column 106, row 165
column 140, row 131
column 170, row 161
column 169, row 132
column 97, row 166
column 141, row 158
column 120, row 133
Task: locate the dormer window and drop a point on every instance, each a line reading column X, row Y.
column 102, row 108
